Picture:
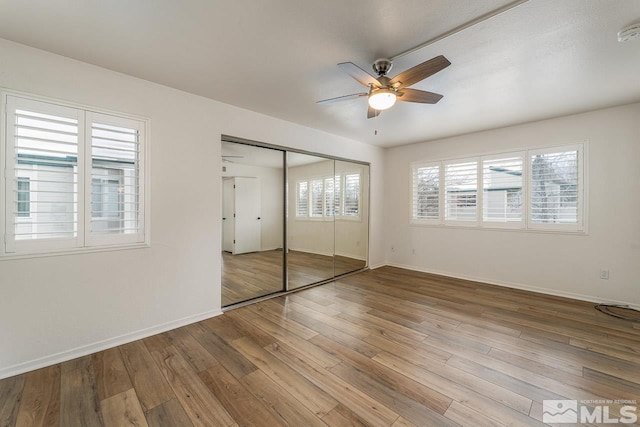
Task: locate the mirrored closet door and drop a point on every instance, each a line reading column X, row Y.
column 290, row 219
column 310, row 220
column 252, row 222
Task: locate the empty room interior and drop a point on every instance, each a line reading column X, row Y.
column 330, row 213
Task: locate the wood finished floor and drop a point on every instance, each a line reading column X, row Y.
column 255, row 274
column 386, row 347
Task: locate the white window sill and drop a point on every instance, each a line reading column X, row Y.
column 64, row 252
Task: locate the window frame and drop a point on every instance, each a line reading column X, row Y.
column 82, row 242
column 525, row 225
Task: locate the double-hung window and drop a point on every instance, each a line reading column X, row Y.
column 536, row 189
column 74, row 178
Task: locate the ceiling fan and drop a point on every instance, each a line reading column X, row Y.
column 384, row 91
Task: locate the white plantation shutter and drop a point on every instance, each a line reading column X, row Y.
column 351, row 196
column 317, row 191
column 556, row 188
column 329, row 197
column 302, row 209
column 461, row 191
column 502, row 189
column 74, row 178
column 117, row 199
column 44, row 143
column 426, row 192
column 337, row 199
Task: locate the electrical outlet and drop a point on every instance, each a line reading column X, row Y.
column 604, row 274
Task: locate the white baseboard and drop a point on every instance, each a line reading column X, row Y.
column 513, row 285
column 378, row 265
column 311, row 251
column 358, row 257
column 84, row 350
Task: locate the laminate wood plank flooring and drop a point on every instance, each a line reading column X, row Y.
column 255, row 274
column 387, row 347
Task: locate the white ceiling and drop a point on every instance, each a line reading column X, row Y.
column 541, row 59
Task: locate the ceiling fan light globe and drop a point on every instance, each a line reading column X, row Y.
column 382, row 99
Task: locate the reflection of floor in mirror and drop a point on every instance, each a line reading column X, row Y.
column 255, row 274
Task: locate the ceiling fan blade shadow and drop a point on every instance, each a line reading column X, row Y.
column 372, row 112
column 415, row 95
column 420, row 72
column 342, row 98
column 359, row 74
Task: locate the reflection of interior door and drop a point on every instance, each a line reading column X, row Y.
column 247, row 215
column 241, row 215
column 227, row 215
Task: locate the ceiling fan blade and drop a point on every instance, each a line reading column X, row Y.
column 420, row 72
column 372, row 112
column 342, row 98
column 359, row 74
column 415, row 95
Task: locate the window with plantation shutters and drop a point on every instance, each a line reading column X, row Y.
column 68, row 170
column 535, row 189
column 502, row 189
column 426, row 192
column 461, row 191
column 556, row 188
column 43, row 143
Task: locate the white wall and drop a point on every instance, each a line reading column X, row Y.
column 271, row 204
column 555, row 263
column 60, row 307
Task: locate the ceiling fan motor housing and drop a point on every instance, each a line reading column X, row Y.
column 382, row 66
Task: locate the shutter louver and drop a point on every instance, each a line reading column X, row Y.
column 316, row 197
column 426, row 192
column 502, row 189
column 554, row 187
column 351, row 195
column 43, row 141
column 329, row 197
column 303, row 199
column 461, row 190
column 115, row 180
